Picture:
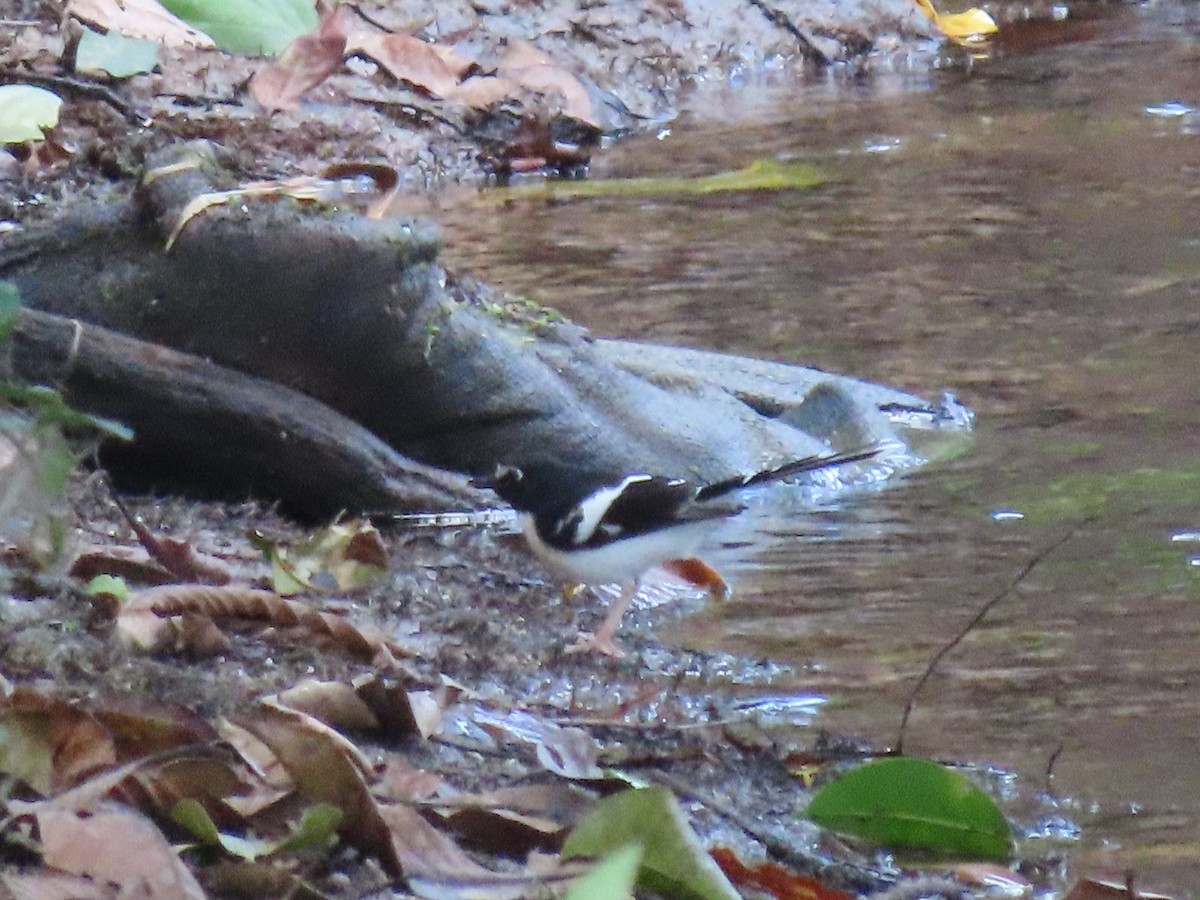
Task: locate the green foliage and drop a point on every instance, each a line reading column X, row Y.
column 26, row 112
column 36, row 457
column 612, row 879
column 52, row 410
column 253, row 27
column 316, row 830
column 108, row 585
column 10, row 309
column 114, row 54
column 674, row 863
column 914, row 804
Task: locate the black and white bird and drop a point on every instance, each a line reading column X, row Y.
column 595, row 528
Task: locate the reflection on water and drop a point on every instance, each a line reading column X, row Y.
column 1027, row 234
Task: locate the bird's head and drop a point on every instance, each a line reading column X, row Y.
column 507, row 481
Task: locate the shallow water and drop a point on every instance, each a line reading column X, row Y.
column 1026, row 233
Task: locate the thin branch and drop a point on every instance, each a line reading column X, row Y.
column 81, row 88
column 1004, row 592
column 777, row 17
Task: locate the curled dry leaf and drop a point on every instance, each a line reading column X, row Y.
column 116, row 845
column 327, row 769
column 232, row 602
column 307, row 61
column 302, row 187
column 131, row 563
column 139, row 19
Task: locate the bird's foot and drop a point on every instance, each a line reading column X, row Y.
column 596, row 643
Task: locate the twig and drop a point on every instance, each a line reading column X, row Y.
column 1050, row 767
column 79, row 87
column 778, row 17
column 1033, row 563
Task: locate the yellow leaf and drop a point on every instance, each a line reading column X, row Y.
column 969, row 27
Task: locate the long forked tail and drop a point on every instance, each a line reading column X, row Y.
column 795, row 467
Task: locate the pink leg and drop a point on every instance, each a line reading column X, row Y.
column 603, row 640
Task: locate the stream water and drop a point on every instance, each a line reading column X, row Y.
column 1025, row 232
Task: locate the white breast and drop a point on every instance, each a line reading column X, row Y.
column 623, row 560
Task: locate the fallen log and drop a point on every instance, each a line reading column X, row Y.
column 357, row 316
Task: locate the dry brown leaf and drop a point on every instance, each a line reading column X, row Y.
column 400, row 782
column 772, row 879
column 402, row 713
column 140, row 727
column 327, row 769
column 272, row 782
column 46, row 885
column 557, row 84
column 155, row 790
column 333, row 702
column 1105, row 889
column 516, row 820
column 184, row 562
column 482, row 91
column 307, row 61
column 520, row 54
column 139, row 19
column 302, row 187
column 421, row 64
column 231, row 602
column 51, row 745
column 434, row 866
column 131, row 563
column 114, row 844
column 426, row 853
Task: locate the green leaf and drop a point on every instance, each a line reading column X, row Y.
column 110, row 585
column 115, row 54
column 253, row 27
column 317, row 829
column 26, row 112
column 52, row 409
column 10, row 309
column 914, row 804
column 674, row 864
column 612, row 879
column 192, row 815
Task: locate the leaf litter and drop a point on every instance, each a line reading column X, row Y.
column 376, row 751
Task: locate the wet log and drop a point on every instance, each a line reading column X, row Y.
column 206, row 428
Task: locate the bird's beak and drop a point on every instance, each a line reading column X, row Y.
column 503, row 474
